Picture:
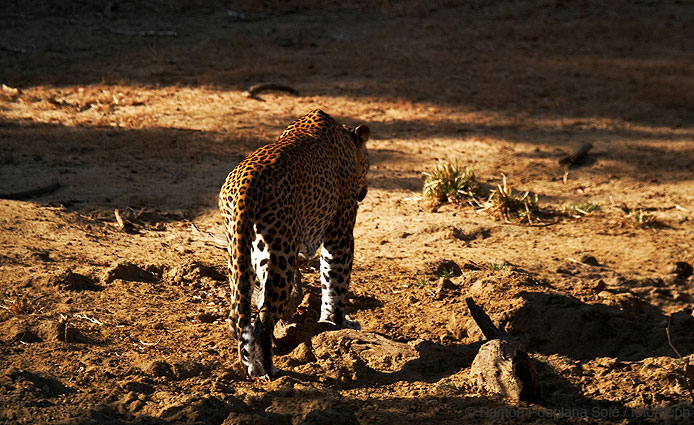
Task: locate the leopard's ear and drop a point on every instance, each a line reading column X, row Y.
column 362, row 132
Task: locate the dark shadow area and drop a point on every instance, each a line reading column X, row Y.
column 151, row 175
column 622, row 61
column 629, row 329
column 631, row 148
column 560, row 401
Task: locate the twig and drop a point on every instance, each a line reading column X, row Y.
column 149, row 344
column 686, row 361
column 87, row 318
column 577, row 262
column 669, row 341
column 256, row 89
column 576, row 155
column 119, row 219
column 42, row 190
column 123, row 224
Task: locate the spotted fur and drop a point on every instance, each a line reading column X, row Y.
column 286, row 198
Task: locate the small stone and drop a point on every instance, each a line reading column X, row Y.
column 599, row 286
column 457, row 326
column 207, row 317
column 189, row 369
column 237, row 372
column 18, row 330
column 681, row 270
column 443, row 286
column 138, row 387
column 302, row 354
column 607, row 362
column 290, row 335
column 589, row 260
column 158, row 368
column 62, row 330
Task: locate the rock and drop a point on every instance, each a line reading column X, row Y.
column 463, row 328
column 62, row 330
column 589, row 260
column 376, row 351
column 69, row 280
column 46, row 384
column 302, row 354
column 457, row 326
column 236, row 372
column 599, row 286
column 189, row 369
column 290, row 335
column 158, row 368
column 129, row 272
column 208, row 317
column 138, row 387
column 192, row 272
column 607, row 362
column 443, row 286
column 16, row 329
column 501, row 368
column 681, row 270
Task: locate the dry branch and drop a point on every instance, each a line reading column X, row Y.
column 208, row 238
column 485, row 324
column 123, row 224
column 119, row 219
column 32, row 193
column 501, row 366
column 256, row 89
column 577, row 155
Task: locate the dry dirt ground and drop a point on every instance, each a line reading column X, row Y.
column 141, row 107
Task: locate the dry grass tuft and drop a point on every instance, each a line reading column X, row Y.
column 448, row 183
column 17, row 305
column 639, row 218
column 581, row 209
column 507, row 203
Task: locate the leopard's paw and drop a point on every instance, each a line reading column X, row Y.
column 350, row 323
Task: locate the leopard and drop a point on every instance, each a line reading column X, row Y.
column 279, row 205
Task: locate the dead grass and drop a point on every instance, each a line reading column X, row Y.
column 581, row 209
column 17, row 305
column 639, row 218
column 447, row 182
column 507, row 203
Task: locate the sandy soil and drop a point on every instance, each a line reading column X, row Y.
column 143, row 109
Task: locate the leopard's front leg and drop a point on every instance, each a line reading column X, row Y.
column 336, row 269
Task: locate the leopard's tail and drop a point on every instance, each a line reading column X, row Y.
column 239, row 232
